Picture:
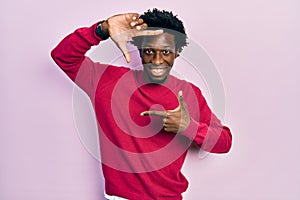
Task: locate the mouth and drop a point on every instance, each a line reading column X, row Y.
column 158, row 71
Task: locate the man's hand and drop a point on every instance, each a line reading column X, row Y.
column 123, row 27
column 176, row 120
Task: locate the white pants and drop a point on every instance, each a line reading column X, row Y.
column 113, row 197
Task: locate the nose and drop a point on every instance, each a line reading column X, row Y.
column 158, row 58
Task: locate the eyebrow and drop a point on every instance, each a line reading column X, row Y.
column 163, row 47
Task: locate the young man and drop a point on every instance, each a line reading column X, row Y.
column 145, row 125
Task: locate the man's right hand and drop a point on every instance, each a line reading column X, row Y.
column 123, row 27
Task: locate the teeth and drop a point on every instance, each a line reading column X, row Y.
column 157, row 70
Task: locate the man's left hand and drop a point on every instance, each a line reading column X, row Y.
column 177, row 120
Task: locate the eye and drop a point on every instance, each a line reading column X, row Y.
column 166, row 52
column 148, row 51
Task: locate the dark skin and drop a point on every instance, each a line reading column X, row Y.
column 176, row 120
column 158, row 55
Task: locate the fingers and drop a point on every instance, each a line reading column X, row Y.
column 176, row 120
column 165, row 113
column 136, row 22
column 141, row 27
column 167, row 125
column 154, row 113
column 148, row 32
column 164, row 120
column 132, row 16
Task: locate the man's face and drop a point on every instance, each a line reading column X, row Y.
column 158, row 55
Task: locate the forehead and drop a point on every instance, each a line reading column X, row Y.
column 159, row 41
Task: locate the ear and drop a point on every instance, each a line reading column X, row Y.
column 177, row 54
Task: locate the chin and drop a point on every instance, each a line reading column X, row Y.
column 157, row 80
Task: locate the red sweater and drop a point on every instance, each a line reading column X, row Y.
column 139, row 159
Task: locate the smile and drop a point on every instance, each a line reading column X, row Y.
column 158, row 71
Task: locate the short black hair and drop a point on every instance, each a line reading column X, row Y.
column 168, row 22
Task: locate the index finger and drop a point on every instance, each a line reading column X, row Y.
column 148, row 32
column 154, row 113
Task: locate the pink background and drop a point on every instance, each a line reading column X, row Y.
column 254, row 45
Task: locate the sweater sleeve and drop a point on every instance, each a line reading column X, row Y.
column 69, row 55
column 211, row 135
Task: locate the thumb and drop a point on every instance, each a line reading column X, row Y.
column 180, row 98
column 127, row 56
column 123, row 48
column 180, row 101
